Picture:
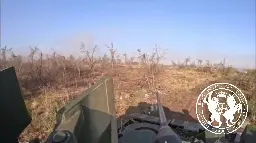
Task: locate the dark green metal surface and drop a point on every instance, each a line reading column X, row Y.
column 249, row 134
column 13, row 112
column 91, row 116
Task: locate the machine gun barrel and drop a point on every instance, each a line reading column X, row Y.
column 165, row 133
column 163, row 120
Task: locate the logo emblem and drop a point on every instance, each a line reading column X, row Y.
column 221, row 108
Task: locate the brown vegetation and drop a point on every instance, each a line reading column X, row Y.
column 50, row 81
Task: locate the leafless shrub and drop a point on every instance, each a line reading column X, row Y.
column 118, row 59
column 174, row 64
column 78, row 67
column 131, row 59
column 193, row 64
column 3, row 58
column 125, row 58
column 151, row 62
column 199, row 62
column 187, row 60
column 90, row 56
column 61, row 62
column 33, row 51
column 15, row 60
column 105, row 60
column 112, row 53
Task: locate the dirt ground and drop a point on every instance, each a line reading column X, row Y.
column 178, row 87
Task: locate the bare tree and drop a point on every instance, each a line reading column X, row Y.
column 187, row 61
column 159, row 56
column 208, row 63
column 174, row 64
column 118, row 59
column 55, row 59
column 17, row 60
column 125, row 58
column 199, row 62
column 112, row 52
column 90, row 55
column 4, row 52
column 71, row 58
column 60, row 61
column 151, row 62
column 32, row 53
column 41, row 66
column 132, row 59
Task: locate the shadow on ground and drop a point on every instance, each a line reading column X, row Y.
column 144, row 107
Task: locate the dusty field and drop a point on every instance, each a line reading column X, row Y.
column 179, row 91
column 49, row 82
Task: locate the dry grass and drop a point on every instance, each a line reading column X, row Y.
column 50, row 81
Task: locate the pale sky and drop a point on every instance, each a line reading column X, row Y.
column 200, row 29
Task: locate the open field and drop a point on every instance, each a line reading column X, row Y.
column 50, row 81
